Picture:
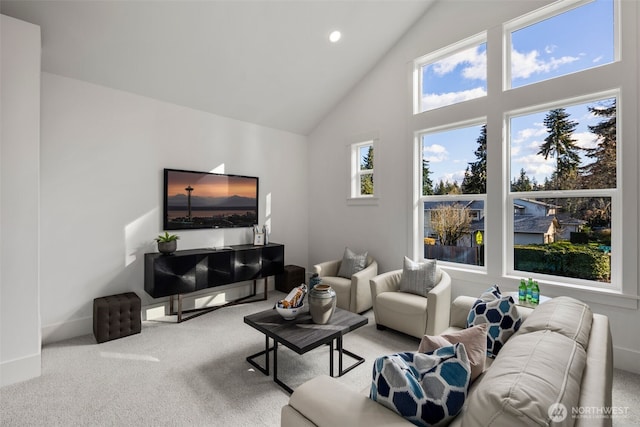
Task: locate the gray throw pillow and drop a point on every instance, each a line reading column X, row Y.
column 418, row 277
column 352, row 263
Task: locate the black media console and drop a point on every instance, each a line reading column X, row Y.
column 192, row 270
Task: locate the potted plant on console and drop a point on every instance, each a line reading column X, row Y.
column 167, row 243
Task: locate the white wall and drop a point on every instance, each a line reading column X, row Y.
column 103, row 152
column 19, row 201
column 381, row 104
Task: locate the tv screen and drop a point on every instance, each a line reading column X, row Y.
column 209, row 200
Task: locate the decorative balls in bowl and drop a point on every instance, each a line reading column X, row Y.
column 289, row 313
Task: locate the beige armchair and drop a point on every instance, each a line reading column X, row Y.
column 412, row 314
column 352, row 294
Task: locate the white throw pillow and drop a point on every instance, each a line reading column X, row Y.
column 418, row 277
column 352, row 263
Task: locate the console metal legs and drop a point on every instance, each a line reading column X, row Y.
column 204, row 310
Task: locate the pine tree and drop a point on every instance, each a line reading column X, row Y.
column 523, row 183
column 602, row 172
column 475, row 177
column 427, row 184
column 559, row 144
column 366, row 181
column 443, row 188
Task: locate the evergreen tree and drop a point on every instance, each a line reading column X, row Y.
column 475, row 177
column 445, row 187
column 559, row 144
column 602, row 172
column 523, row 183
column 427, row 184
column 366, row 181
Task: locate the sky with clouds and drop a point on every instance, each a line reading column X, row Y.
column 550, row 48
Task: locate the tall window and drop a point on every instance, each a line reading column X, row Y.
column 563, row 187
column 537, row 183
column 362, row 169
column 454, row 172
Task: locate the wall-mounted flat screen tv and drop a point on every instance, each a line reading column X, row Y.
column 209, row 200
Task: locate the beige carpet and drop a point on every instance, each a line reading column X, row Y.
column 195, row 374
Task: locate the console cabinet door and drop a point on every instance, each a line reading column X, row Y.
column 192, row 270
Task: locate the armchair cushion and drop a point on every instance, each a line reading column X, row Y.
column 352, row 263
column 418, row 277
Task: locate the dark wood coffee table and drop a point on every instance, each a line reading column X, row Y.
column 302, row 335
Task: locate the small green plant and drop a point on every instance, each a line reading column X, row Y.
column 166, row 237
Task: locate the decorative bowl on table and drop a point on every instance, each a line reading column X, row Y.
column 289, row 313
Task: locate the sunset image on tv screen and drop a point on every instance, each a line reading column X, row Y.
column 207, row 200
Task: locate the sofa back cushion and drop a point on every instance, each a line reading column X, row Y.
column 533, row 374
column 538, row 373
column 563, row 315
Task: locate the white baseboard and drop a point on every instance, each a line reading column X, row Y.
column 18, row 370
column 206, row 298
column 626, row 359
column 63, row 331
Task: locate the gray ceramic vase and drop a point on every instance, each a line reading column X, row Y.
column 322, row 303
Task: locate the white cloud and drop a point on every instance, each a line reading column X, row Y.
column 475, row 61
column 550, row 48
column 526, row 64
column 452, row 177
column 585, row 139
column 597, row 59
column 535, row 165
column 435, row 153
column 432, row 101
column 525, row 134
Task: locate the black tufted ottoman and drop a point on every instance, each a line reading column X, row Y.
column 116, row 316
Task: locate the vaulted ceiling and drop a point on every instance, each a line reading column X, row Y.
column 267, row 62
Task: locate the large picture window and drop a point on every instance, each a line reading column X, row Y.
column 565, row 159
column 535, row 187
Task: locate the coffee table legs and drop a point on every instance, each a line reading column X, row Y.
column 341, row 350
column 267, row 350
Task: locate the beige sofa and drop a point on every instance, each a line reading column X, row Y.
column 561, row 354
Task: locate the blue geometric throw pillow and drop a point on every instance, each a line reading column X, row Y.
column 500, row 312
column 425, row 388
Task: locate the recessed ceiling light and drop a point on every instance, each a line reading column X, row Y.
column 335, row 36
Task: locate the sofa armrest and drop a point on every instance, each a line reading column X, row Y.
column 325, row 401
column 328, row 268
column 439, row 305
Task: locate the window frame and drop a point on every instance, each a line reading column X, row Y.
column 435, row 56
column 612, row 78
column 355, row 173
column 546, row 12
